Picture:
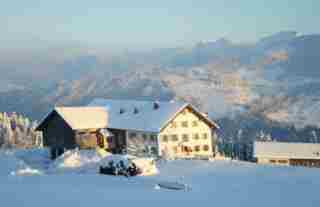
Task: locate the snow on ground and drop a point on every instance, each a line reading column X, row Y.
column 27, row 161
column 76, row 162
column 213, row 183
column 9, row 163
column 88, row 162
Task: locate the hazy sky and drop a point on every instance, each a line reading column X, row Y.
column 150, row 23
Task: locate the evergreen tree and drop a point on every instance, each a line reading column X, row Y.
column 18, row 131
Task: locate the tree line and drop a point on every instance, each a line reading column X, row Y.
column 17, row 131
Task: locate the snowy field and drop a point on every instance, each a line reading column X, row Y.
column 28, row 178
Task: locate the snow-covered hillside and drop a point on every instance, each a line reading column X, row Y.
column 212, row 183
column 275, row 79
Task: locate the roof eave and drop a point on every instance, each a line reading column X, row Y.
column 40, row 127
column 214, row 125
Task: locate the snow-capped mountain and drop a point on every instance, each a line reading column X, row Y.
column 276, row 79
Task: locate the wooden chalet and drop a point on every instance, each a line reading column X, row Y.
column 71, row 127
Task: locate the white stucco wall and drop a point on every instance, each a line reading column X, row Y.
column 174, row 148
column 153, row 144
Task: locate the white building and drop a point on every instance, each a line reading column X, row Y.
column 173, row 129
column 285, row 153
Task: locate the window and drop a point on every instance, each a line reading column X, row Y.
column 195, row 136
column 184, row 124
column 195, row 123
column 197, row 148
column 100, row 140
column 316, row 153
column 154, row 150
column 204, row 136
column 153, row 137
column 186, row 149
column 205, row 148
column 165, row 138
column 109, row 139
column 133, row 135
column 272, row 161
column 145, row 137
column 283, row 161
column 121, row 111
column 185, row 137
column 173, row 124
column 174, row 137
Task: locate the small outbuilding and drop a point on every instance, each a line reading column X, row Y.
column 287, row 153
column 71, row 127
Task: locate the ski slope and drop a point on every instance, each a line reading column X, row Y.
column 212, row 183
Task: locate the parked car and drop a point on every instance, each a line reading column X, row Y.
column 120, row 169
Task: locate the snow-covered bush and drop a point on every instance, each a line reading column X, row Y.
column 18, row 131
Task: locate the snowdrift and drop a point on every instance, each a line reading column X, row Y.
column 37, row 162
column 88, row 161
column 10, row 163
column 23, row 162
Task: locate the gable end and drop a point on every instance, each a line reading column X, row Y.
column 203, row 118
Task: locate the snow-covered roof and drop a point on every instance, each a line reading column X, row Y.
column 140, row 115
column 82, row 117
column 287, row 150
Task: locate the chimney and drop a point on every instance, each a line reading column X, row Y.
column 156, row 105
column 135, row 110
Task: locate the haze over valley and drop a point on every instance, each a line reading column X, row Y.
column 272, row 84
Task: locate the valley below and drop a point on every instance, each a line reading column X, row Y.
column 272, row 85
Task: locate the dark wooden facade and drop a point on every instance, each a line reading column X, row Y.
column 118, row 142
column 305, row 162
column 57, row 134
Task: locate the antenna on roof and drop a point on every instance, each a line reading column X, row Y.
column 156, row 105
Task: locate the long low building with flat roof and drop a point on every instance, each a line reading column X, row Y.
column 286, row 153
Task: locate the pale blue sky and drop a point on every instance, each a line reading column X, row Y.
column 148, row 23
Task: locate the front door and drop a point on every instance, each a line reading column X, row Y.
column 100, row 140
column 119, row 140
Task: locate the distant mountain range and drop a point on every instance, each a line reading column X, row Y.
column 273, row 85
